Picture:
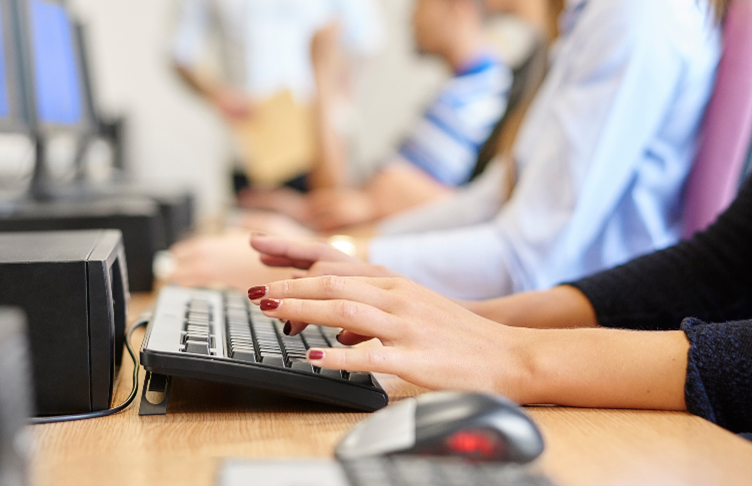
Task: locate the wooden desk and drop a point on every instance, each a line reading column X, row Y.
column 207, row 423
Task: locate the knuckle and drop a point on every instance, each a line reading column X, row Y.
column 286, row 288
column 374, row 359
column 346, row 310
column 332, row 284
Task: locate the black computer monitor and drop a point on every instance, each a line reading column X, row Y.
column 54, row 69
column 13, row 106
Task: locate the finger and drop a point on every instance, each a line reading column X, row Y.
column 312, row 251
column 278, row 261
column 293, row 328
column 351, row 339
column 364, row 359
column 349, row 269
column 364, row 290
column 360, row 318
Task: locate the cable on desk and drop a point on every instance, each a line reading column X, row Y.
column 108, row 412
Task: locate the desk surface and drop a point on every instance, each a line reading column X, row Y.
column 207, row 423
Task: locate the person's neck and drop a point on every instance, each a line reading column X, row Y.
column 539, row 14
column 465, row 50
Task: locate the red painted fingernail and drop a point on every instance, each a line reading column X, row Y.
column 339, row 336
column 288, row 328
column 315, row 355
column 270, row 304
column 255, row 293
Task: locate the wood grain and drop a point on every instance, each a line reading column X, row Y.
column 209, row 422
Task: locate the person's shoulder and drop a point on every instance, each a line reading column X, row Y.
column 679, row 23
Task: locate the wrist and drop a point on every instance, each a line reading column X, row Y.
column 516, row 365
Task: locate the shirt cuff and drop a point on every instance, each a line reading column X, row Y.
column 719, row 373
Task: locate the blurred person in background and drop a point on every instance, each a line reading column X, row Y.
column 437, row 155
column 598, row 167
column 238, row 53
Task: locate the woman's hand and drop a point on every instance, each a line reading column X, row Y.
column 427, row 340
column 313, row 258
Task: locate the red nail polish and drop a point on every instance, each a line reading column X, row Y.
column 255, row 293
column 270, row 304
column 315, row 354
column 288, row 328
column 339, row 337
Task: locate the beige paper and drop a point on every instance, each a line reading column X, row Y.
column 277, row 143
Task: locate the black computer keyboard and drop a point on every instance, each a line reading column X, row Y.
column 221, row 336
column 426, row 471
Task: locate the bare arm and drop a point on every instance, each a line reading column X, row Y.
column 231, row 102
column 393, row 189
column 432, row 342
column 329, row 170
column 559, row 308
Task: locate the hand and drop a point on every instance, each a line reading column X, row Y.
column 284, row 200
column 313, row 258
column 221, row 260
column 233, row 104
column 328, row 210
column 427, row 339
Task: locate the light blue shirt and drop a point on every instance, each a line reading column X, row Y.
column 602, row 157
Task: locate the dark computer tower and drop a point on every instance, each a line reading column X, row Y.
column 73, row 287
column 15, row 398
column 176, row 204
column 138, row 218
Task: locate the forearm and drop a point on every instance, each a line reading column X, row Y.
column 329, row 170
column 604, row 368
column 559, row 308
column 400, row 187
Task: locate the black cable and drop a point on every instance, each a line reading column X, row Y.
column 108, row 412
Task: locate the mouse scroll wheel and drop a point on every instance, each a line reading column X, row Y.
column 476, row 443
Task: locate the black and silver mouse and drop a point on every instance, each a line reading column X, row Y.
column 475, row 426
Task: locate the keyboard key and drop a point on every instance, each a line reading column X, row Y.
column 244, row 355
column 304, row 366
column 331, row 373
column 276, row 360
column 361, row 379
column 197, row 347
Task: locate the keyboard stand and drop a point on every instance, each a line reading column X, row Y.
column 155, row 394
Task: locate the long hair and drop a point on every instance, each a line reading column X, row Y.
column 720, row 7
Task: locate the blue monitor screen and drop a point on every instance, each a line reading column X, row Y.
column 58, row 88
column 4, row 98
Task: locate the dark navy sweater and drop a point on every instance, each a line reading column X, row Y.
column 704, row 287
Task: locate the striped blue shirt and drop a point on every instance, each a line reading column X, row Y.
column 446, row 142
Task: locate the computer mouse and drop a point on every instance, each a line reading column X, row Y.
column 475, row 426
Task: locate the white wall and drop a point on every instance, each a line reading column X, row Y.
column 174, row 136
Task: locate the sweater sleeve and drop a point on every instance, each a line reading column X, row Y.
column 708, row 277
column 719, row 373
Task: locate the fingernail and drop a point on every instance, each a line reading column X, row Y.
column 255, row 293
column 287, row 329
column 339, row 336
column 270, row 304
column 315, row 355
